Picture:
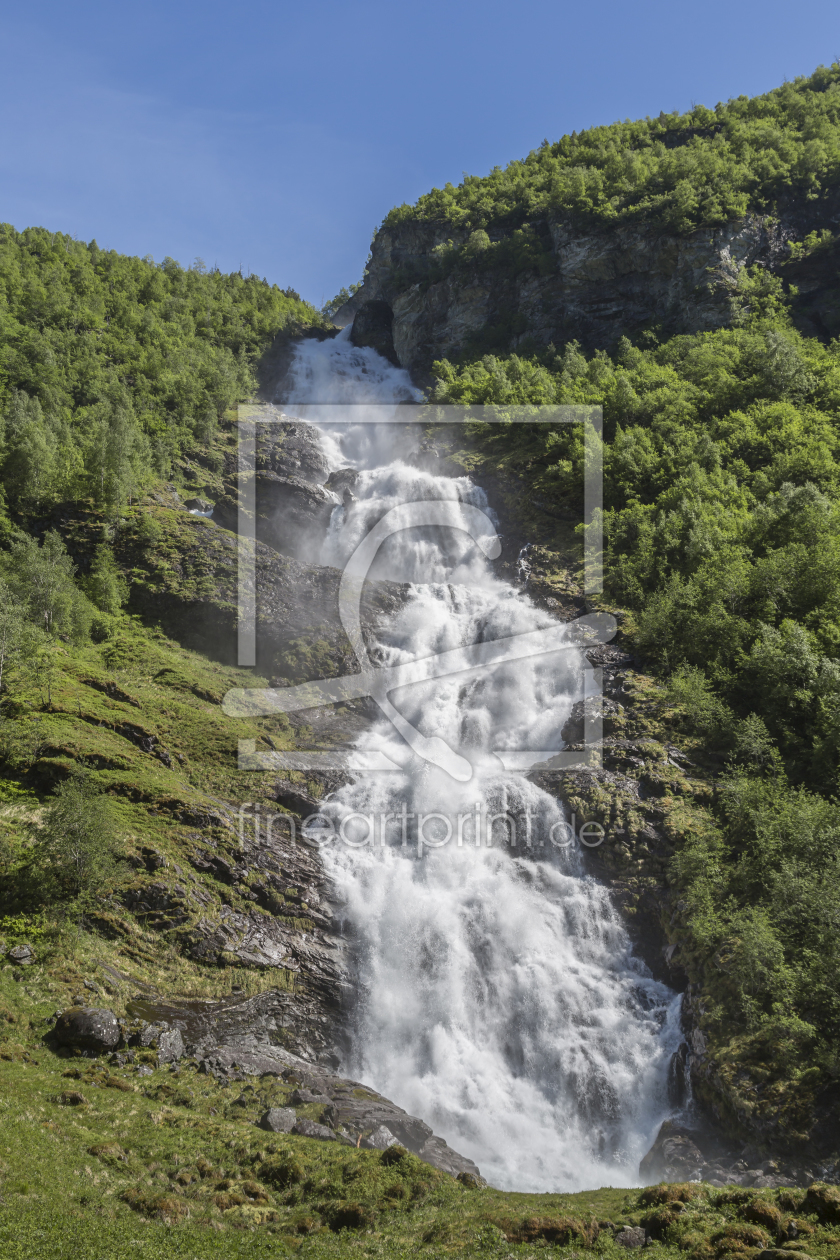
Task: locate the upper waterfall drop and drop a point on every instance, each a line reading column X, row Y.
column 498, row 996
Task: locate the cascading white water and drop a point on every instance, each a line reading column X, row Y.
column 499, row 998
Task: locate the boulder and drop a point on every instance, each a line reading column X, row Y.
column 631, row 1237
column 308, row 1128
column 198, row 505
column 22, row 955
column 88, row 1028
column 170, row 1046
column 673, row 1156
column 302, row 1096
column 822, row 1201
column 278, row 1120
column 379, row 1140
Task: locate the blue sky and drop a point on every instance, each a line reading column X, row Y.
column 276, row 136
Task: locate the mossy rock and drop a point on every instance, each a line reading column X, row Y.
column 562, row 1231
column 346, row 1214
column 822, row 1201
column 737, row 1236
column 676, row 1192
column 762, row 1212
column 159, row 1206
column 281, row 1172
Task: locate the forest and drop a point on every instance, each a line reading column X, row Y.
column 111, row 365
column 722, row 552
column 676, row 171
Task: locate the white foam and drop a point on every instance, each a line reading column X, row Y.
column 498, row 996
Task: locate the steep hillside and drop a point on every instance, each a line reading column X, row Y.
column 648, row 226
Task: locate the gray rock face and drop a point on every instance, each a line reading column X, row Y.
column 308, row 1128
column 373, row 327
column 284, row 486
column 352, row 1111
column 278, row 1120
column 88, row 1028
column 292, row 514
column 22, row 955
column 302, row 1096
column 602, row 282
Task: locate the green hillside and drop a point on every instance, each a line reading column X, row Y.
column 678, row 171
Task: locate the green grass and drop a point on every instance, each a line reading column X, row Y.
column 173, row 1164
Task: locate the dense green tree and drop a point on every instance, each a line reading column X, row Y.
column 42, row 579
column 105, row 585
column 679, row 171
column 75, row 841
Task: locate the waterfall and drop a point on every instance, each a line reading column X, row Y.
column 498, row 994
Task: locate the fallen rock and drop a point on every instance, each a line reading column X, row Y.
column 631, row 1237
column 673, row 1156
column 308, row 1128
column 23, row 955
column 88, row 1028
column 379, row 1140
column 302, row 1096
column 170, row 1046
column 278, row 1120
column 780, row 1253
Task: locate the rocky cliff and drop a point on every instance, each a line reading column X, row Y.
column 450, row 292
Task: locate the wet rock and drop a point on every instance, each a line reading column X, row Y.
column 308, row 1128
column 631, row 1237
column 198, row 505
column 292, row 448
column 590, row 712
column 292, row 515
column 22, row 955
column 88, row 1028
column 278, row 1120
column 372, row 327
column 342, row 480
column 673, row 1156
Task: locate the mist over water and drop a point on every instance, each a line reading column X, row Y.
column 498, row 996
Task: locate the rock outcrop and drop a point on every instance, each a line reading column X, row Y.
column 589, row 283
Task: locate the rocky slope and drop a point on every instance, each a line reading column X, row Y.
column 446, row 294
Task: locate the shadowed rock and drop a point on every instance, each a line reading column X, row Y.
column 88, row 1028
